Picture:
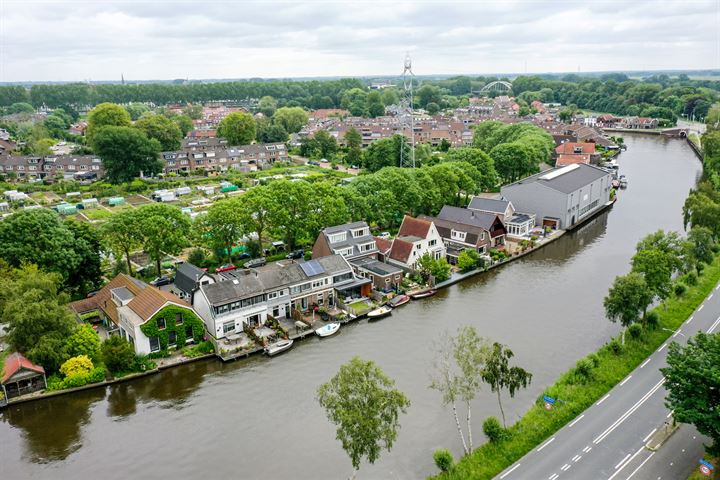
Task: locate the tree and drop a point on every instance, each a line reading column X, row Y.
column 291, row 215
column 513, row 161
column 478, row 159
column 267, row 106
column 428, row 266
column 292, row 119
column 117, row 354
column 137, row 110
column 164, row 229
column 458, row 367
column 353, row 141
column 88, row 274
column 500, row 375
column 268, row 132
column 77, row 366
column 362, row 401
column 238, row 128
column 195, row 112
column 701, row 244
column 36, row 314
column 40, row 236
column 83, row 341
column 693, row 383
column 105, row 115
column 126, row 153
column 428, row 94
column 432, row 108
column 162, row 129
column 468, row 259
column 653, row 264
column 223, row 226
column 627, row 299
column 20, row 107
column 384, row 153
column 355, row 100
column 326, row 144
column 122, row 235
column 258, row 208
column 184, row 123
column 56, row 126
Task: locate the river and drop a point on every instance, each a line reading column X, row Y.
column 258, row 418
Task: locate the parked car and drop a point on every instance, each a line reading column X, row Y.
column 356, row 167
column 312, row 162
column 257, row 262
column 296, row 254
column 160, row 281
column 225, row 268
column 244, row 255
column 384, row 235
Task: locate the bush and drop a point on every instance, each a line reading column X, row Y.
column 584, row 369
column 493, row 430
column 690, row 278
column 197, row 257
column 652, row 320
column 117, row 354
column 615, row 346
column 84, row 341
column 77, row 366
column 680, row 289
column 443, row 459
column 593, row 357
column 635, row 331
column 468, row 260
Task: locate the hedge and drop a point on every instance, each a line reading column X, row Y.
column 539, row 424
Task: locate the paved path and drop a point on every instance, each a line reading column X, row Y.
column 607, row 441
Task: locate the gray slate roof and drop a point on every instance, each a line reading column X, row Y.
column 187, row 277
column 344, row 227
column 377, row 266
column 488, row 205
column 572, row 180
column 467, row 217
column 350, row 241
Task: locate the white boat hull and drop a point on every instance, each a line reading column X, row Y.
column 327, row 330
column 278, row 347
column 379, row 313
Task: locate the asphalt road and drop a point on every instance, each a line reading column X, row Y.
column 607, row 441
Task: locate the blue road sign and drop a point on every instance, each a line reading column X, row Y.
column 707, row 464
column 549, row 400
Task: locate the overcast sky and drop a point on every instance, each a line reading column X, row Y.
column 200, row 39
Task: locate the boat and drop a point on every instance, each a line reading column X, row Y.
column 381, row 312
column 327, row 330
column 425, row 294
column 398, row 300
column 278, row 347
column 623, row 181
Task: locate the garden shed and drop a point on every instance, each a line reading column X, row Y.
column 90, row 202
column 66, row 209
column 115, row 201
column 21, row 376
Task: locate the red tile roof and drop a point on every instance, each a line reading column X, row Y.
column 414, row 227
column 572, row 159
column 16, row 362
column 569, row 147
column 401, row 250
column 383, row 245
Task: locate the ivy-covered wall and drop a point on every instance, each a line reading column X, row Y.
column 169, row 312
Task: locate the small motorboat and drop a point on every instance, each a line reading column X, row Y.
column 327, row 330
column 398, row 300
column 425, row 294
column 278, row 347
column 378, row 313
column 623, row 181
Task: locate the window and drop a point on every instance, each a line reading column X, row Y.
column 228, row 327
column 418, row 246
column 160, row 323
column 456, row 235
column 189, row 333
column 154, row 344
column 276, row 311
column 178, row 319
column 432, row 243
column 172, row 338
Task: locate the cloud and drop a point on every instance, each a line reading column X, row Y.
column 100, row 40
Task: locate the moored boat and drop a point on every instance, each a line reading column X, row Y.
column 381, row 312
column 398, row 300
column 425, row 294
column 278, row 347
column 327, row 330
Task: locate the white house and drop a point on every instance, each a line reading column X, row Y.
column 415, row 238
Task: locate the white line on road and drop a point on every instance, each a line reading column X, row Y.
column 545, row 444
column 603, row 399
column 622, row 461
column 509, row 471
column 565, row 467
column 626, row 463
column 677, row 333
column 587, row 449
column 645, row 362
column 649, row 435
column 701, row 307
column 629, row 412
column 576, row 420
column 662, row 346
column 625, row 381
column 640, row 466
column 553, row 476
column 711, row 295
column 690, row 319
column 714, row 325
column 577, row 458
column 671, row 412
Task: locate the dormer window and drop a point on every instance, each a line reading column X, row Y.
column 458, row 235
column 337, row 237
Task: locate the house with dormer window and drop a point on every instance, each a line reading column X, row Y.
column 416, row 237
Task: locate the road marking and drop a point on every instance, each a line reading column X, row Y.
column 603, row 399
column 677, row 333
column 625, row 381
column 701, row 307
column 576, row 420
column 649, row 435
column 626, row 463
column 577, row 458
column 553, row 476
column 587, row 449
column 640, row 466
column 711, row 295
column 712, row 327
column 629, row 412
column 671, row 412
column 565, row 467
column 662, row 346
column 545, row 444
column 690, row 319
column 717, row 288
column 645, row 362
column 622, row 461
column 509, row 471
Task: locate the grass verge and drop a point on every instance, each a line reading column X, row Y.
column 576, row 393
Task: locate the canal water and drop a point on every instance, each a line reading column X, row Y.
column 258, row 418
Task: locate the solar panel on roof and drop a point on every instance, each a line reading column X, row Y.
column 312, row 268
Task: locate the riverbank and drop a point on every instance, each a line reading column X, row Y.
column 574, row 396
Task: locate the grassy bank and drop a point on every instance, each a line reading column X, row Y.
column 576, row 392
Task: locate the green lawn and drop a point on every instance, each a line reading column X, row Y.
column 538, row 424
column 96, row 213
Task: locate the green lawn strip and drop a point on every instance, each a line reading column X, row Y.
column 574, row 397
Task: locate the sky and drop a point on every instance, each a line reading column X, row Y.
column 83, row 40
